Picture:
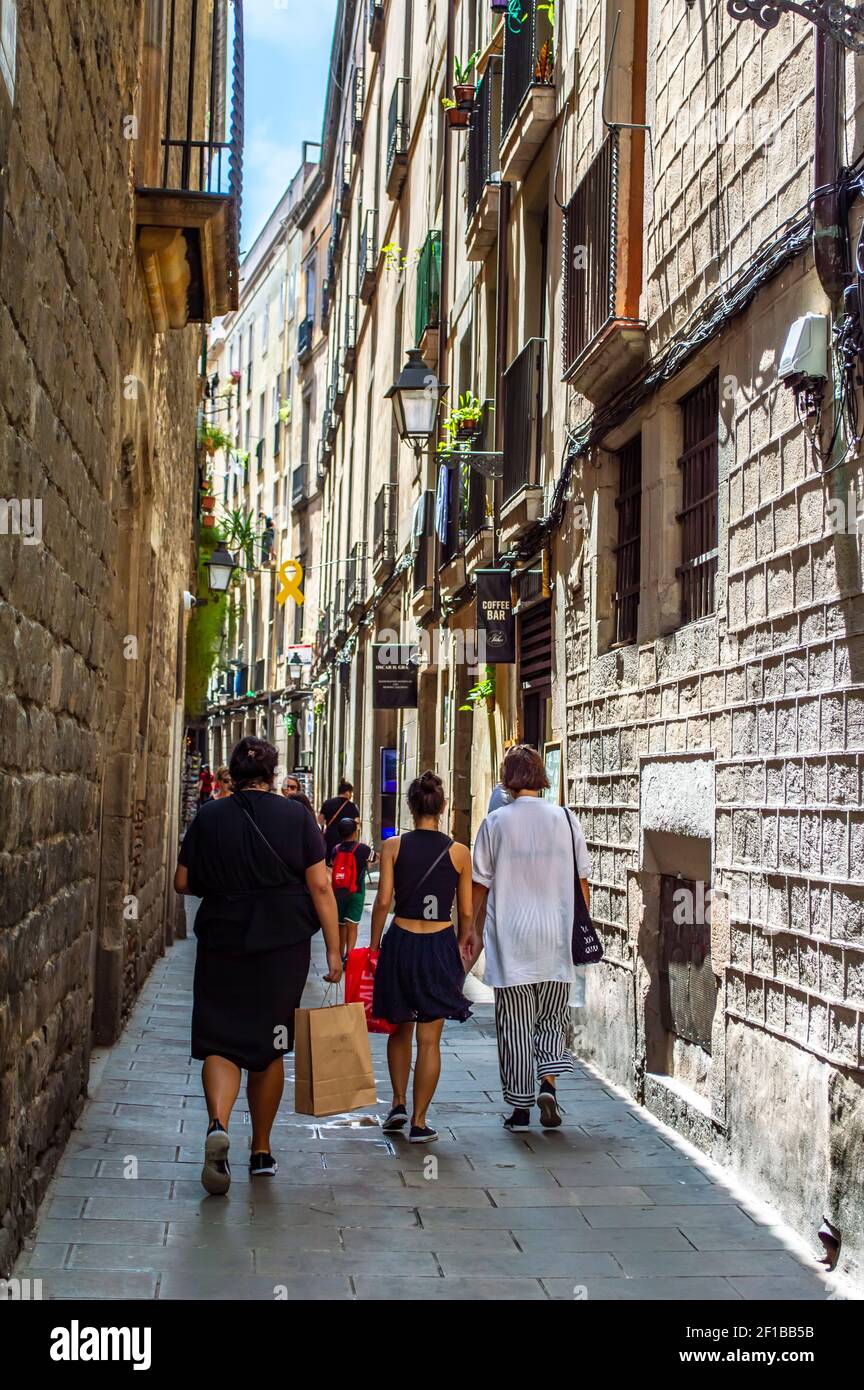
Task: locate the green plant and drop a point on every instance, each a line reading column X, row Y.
column 463, row 74
column 212, row 439
column 448, row 103
column 240, row 533
column 467, row 416
column 285, row 411
column 480, row 693
column 206, row 632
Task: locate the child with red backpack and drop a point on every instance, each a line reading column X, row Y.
column 348, row 876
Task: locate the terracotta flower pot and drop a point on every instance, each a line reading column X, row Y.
column 208, row 519
column 456, row 119
column 463, row 93
column 208, row 502
column 467, row 431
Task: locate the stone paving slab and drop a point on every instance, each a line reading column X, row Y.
column 609, row 1207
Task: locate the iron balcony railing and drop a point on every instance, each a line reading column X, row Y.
column 528, row 56
column 398, row 134
column 259, row 455
column 355, row 578
column 298, row 483
column 324, row 629
column 590, row 242
column 428, row 301
column 304, row 336
column 425, row 543
column 359, row 102
column 384, row 526
column 277, row 437
column 458, row 485
column 376, row 24
column 367, row 265
column 349, row 342
column 340, row 611
column 522, row 412
column 484, row 136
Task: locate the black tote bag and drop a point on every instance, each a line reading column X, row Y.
column 587, row 948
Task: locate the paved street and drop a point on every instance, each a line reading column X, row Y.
column 608, row 1207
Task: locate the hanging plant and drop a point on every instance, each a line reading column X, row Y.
column 240, row 533
column 212, row 439
column 463, row 88
column 205, row 634
column 285, row 412
column 464, row 422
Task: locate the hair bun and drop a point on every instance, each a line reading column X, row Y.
column 431, row 779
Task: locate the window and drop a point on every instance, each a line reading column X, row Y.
column 304, row 431
column 699, row 486
column 265, row 329
column 627, row 551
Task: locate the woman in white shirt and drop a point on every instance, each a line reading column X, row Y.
column 524, row 888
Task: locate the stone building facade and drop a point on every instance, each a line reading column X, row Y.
column 688, row 612
column 97, row 427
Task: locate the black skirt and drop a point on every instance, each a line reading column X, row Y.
column 419, row 977
column 244, row 1002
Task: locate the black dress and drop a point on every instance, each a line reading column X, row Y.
column 254, row 925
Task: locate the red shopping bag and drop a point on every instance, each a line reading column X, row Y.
column 359, row 984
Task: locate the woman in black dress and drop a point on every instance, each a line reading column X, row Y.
column 419, row 974
column 258, row 863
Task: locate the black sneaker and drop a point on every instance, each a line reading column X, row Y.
column 262, row 1165
column 216, row 1173
column 422, row 1134
column 550, row 1115
column 396, row 1120
column 520, row 1119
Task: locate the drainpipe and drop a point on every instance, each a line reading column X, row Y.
column 829, row 235
column 444, row 306
column 501, row 295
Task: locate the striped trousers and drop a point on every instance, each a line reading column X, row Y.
column 531, row 1023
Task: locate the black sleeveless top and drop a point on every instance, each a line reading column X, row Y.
column 433, row 898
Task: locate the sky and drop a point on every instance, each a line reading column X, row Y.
column 287, row 60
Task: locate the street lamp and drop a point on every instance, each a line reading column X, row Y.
column 415, row 394
column 220, row 567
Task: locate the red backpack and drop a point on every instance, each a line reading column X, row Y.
column 344, row 874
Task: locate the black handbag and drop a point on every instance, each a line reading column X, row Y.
column 586, row 949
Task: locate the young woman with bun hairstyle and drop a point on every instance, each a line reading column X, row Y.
column 257, row 861
column 419, row 973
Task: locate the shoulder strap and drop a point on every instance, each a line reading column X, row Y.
column 252, row 821
column 335, row 814
column 435, row 862
column 572, row 843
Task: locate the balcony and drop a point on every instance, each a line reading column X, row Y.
column 349, row 342
column 325, row 304
column 605, row 342
column 384, row 532
column 479, row 542
column 367, row 267
column 187, row 202
column 344, row 183
column 451, row 551
column 356, row 580
column 376, row 26
column 484, row 166
column 339, row 388
column 304, row 338
column 277, row 438
column 340, row 613
column 359, row 106
column 398, row 136
column 259, row 455
column 322, row 458
column 299, row 484
column 428, row 300
column 527, row 91
column 523, row 438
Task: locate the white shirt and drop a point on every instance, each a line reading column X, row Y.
column 523, row 854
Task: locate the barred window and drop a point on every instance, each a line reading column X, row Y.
column 699, row 486
column 628, row 549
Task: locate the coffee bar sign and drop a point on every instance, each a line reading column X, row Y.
column 495, row 617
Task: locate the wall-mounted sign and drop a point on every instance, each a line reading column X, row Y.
column 495, row 618
column 394, row 675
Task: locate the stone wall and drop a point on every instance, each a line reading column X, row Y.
column 96, row 421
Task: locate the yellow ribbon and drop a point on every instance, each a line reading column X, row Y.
column 291, row 574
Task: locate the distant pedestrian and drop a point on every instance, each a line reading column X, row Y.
column 350, row 860
column 337, row 808
column 290, row 785
column 258, row 862
column 419, row 973
column 302, row 799
column 221, row 783
column 205, row 784
column 524, row 887
column 500, row 795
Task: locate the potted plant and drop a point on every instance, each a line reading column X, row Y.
column 236, row 376
column 208, row 502
column 212, row 439
column 464, row 422
column 543, row 68
column 463, row 89
column 457, row 119
column 208, row 520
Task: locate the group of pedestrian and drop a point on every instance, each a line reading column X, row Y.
column 271, row 876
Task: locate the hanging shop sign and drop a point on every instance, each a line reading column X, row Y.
column 394, row 675
column 495, row 617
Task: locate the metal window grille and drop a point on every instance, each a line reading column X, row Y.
column 590, row 253
column 628, row 549
column 699, row 487
column 422, row 574
column 397, row 122
column 384, row 544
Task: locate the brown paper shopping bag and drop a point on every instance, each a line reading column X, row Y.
column 332, row 1060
